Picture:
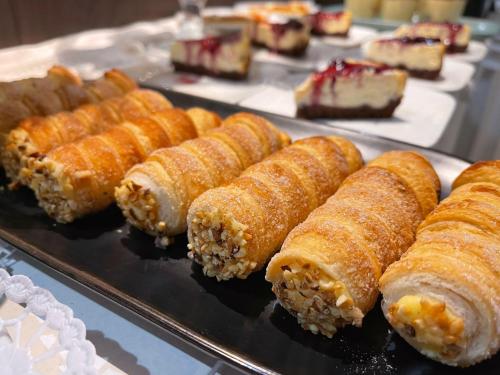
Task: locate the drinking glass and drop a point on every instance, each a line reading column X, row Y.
column 191, row 22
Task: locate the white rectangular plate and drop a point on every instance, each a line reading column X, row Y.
column 421, row 118
column 357, row 35
column 474, row 54
column 317, row 54
column 455, row 76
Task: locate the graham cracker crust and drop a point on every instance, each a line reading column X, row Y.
column 321, row 111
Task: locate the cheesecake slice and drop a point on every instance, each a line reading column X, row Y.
column 455, row 36
column 331, row 23
column 420, row 57
column 351, row 89
column 284, row 28
column 282, row 34
column 224, row 54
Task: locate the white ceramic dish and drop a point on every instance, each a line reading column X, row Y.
column 421, row 118
column 223, row 90
column 474, row 54
column 317, row 54
column 357, row 35
column 455, row 76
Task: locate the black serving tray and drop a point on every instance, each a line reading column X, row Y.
column 238, row 320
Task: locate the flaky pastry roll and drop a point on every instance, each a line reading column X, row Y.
column 235, row 229
column 482, row 171
column 79, row 178
column 443, row 296
column 155, row 196
column 327, row 271
column 59, row 91
column 36, row 136
column 56, row 78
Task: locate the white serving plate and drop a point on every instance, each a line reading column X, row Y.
column 317, row 53
column 357, row 36
column 207, row 87
column 455, row 76
column 223, row 90
column 474, row 54
column 421, row 118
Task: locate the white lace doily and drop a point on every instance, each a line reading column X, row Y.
column 62, row 335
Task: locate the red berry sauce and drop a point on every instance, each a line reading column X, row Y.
column 210, row 45
column 318, row 18
column 341, row 68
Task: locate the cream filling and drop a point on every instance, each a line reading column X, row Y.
column 151, row 207
column 375, row 91
column 434, row 32
column 419, row 57
column 230, row 57
column 290, row 39
column 428, row 322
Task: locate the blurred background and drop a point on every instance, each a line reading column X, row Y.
column 32, row 21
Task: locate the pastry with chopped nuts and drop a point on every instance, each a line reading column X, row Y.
column 60, row 90
column 235, row 229
column 155, row 196
column 327, row 271
column 443, row 296
column 36, row 136
column 79, row 178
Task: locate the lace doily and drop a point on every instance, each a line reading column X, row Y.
column 58, row 338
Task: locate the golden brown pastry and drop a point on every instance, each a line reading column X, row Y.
column 482, row 171
column 36, row 136
column 443, row 296
column 233, row 230
column 155, row 195
column 59, row 91
column 327, row 271
column 79, row 178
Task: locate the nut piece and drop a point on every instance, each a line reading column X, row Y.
column 220, row 244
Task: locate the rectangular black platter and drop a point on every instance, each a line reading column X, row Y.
column 239, row 321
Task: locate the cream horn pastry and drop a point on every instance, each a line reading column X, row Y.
column 482, row 171
column 36, row 136
column 327, row 271
column 59, row 91
column 155, row 196
column 79, row 178
column 443, row 296
column 234, row 230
